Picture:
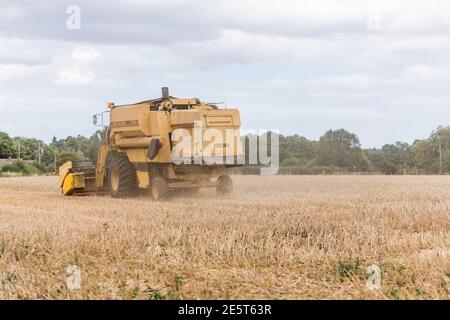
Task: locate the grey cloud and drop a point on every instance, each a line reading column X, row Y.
column 164, row 22
column 107, row 22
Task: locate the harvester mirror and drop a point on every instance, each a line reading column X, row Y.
column 153, row 148
column 100, row 120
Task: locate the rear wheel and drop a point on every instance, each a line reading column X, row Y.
column 224, row 184
column 159, row 188
column 122, row 176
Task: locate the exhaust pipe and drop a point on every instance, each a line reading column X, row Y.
column 165, row 92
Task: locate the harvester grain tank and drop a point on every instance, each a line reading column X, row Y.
column 160, row 145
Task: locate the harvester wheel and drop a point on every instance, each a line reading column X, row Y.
column 224, row 185
column 122, row 175
column 158, row 188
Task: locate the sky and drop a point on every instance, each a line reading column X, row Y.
column 380, row 69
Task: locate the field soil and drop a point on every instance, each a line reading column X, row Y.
column 281, row 237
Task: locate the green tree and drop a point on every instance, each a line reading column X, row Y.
column 298, row 150
column 432, row 155
column 397, row 158
column 342, row 149
column 29, row 148
column 90, row 150
column 65, row 156
column 6, row 145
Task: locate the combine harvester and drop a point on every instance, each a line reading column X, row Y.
column 160, row 145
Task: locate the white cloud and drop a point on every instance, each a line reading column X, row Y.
column 422, row 72
column 85, row 54
column 240, row 47
column 75, row 71
column 348, row 81
column 75, row 75
column 12, row 71
column 20, row 72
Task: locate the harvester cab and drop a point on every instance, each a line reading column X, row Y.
column 159, row 145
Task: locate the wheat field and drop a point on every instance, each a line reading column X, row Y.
column 280, row 237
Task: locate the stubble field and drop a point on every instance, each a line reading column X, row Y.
column 282, row 237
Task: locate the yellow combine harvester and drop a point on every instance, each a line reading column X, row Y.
column 160, row 145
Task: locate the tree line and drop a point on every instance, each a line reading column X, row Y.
column 337, row 151
column 48, row 157
column 341, row 151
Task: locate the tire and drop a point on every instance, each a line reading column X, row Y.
column 224, row 185
column 158, row 188
column 121, row 176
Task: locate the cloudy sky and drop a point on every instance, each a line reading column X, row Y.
column 378, row 68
